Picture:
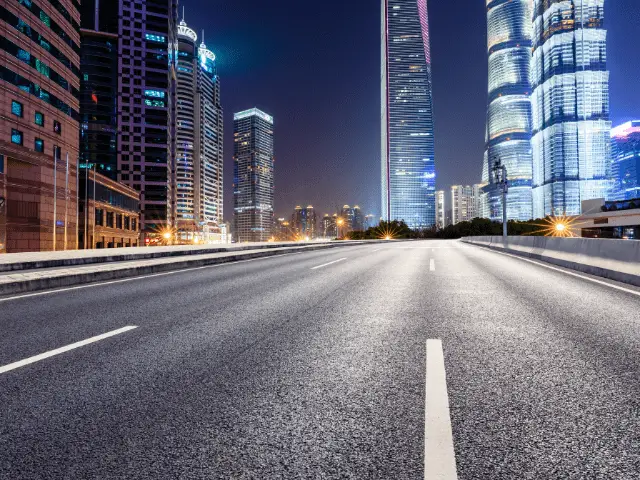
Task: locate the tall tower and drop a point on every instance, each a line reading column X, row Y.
column 146, row 103
column 198, row 168
column 209, row 145
column 571, row 127
column 252, row 175
column 408, row 168
column 509, row 107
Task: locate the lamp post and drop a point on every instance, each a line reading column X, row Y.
column 500, row 173
column 339, row 224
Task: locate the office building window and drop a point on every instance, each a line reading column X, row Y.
column 57, row 152
column 39, row 119
column 39, row 145
column 16, row 108
column 1, row 163
column 57, row 128
column 16, row 136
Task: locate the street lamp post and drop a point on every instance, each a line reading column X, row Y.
column 500, row 172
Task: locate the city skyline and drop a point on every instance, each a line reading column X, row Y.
column 315, row 124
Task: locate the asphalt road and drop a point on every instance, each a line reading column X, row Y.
column 273, row 369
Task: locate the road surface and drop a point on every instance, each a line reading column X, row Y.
column 313, row 365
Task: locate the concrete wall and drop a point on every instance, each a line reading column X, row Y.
column 615, row 259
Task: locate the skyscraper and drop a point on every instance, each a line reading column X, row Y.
column 305, row 222
column 252, row 175
column 198, row 168
column 625, row 145
column 508, row 133
column 440, row 212
column 99, row 87
column 146, row 104
column 571, row 128
column 464, row 203
column 40, row 82
column 408, row 168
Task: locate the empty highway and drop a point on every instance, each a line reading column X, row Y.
column 314, row 365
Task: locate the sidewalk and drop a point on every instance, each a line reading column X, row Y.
column 27, row 272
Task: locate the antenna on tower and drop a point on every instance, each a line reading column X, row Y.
column 183, row 13
column 203, row 36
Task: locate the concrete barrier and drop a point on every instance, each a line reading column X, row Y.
column 75, row 268
column 614, row 259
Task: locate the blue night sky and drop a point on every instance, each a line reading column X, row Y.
column 315, row 67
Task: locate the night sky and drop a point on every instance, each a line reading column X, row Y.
column 315, row 66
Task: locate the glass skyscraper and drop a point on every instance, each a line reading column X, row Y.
column 571, row 128
column 252, row 175
column 625, row 145
column 509, row 108
column 408, row 168
column 198, row 168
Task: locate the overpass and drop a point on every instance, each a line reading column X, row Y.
column 424, row 359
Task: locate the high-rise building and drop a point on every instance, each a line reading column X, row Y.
column 358, row 219
column 440, row 212
column 40, row 83
column 330, row 226
column 464, row 202
column 370, row 221
column 305, row 222
column 625, row 146
column 198, row 167
column 408, row 168
column 509, row 107
column 99, row 88
column 253, row 160
column 571, row 128
column 146, row 107
column 347, row 217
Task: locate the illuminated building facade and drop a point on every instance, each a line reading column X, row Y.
column 198, row 167
column 440, row 215
column 571, row 128
column 305, row 222
column 253, row 165
column 464, row 203
column 146, row 103
column 625, row 147
column 39, row 125
column 408, row 168
column 509, row 109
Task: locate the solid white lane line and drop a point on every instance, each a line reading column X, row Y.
column 376, row 250
column 330, row 263
column 432, row 265
column 439, row 455
column 550, row 267
column 151, row 275
column 58, row 351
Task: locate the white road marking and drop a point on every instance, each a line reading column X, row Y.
column 330, row 263
column 58, row 351
column 376, row 250
column 550, row 267
column 151, row 275
column 439, row 455
column 432, row 265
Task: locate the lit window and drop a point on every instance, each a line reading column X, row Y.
column 154, row 93
column 155, row 38
column 57, row 128
column 16, row 108
column 39, row 145
column 16, row 136
column 39, row 119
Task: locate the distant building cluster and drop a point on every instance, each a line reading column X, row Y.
column 305, row 224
